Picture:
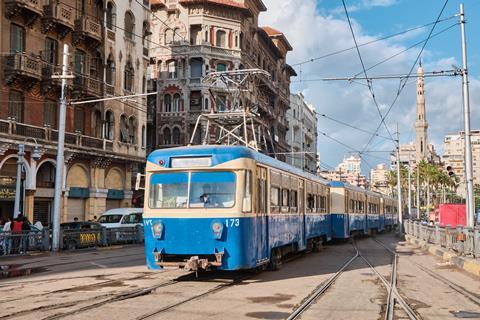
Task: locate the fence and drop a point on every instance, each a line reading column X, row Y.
column 463, row 241
column 12, row 243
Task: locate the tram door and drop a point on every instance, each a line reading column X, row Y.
column 261, row 213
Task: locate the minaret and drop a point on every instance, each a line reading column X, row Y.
column 421, row 124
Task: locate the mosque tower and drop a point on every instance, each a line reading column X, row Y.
column 421, row 124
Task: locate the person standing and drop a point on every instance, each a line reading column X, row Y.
column 17, row 233
column 7, row 244
column 25, row 234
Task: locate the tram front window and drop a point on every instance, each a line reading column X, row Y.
column 212, row 190
column 169, row 190
column 207, row 190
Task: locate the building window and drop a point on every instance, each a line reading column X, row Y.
column 16, row 105
column 111, row 16
column 167, row 136
column 221, row 103
column 132, row 130
column 129, row 25
column 79, row 120
column 145, row 32
column 167, row 103
column 221, row 39
column 196, row 66
column 129, row 76
column 168, row 36
column 51, row 51
column 172, row 70
column 96, row 66
column 221, row 67
column 144, row 137
column 97, row 124
column 17, row 39
column 50, row 114
column 109, row 125
column 110, row 72
column 123, row 129
column 176, row 103
column 79, row 67
column 176, row 135
column 206, row 105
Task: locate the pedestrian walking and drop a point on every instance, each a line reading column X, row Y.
column 25, row 234
column 7, row 241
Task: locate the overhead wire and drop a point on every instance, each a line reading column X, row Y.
column 403, row 83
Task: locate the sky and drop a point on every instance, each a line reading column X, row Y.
column 319, row 27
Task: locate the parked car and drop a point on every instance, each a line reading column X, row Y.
column 81, row 234
column 122, row 217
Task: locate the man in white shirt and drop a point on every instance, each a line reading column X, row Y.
column 6, row 243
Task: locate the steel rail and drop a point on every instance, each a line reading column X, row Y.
column 393, row 288
column 318, row 292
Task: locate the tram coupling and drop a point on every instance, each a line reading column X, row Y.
column 193, row 263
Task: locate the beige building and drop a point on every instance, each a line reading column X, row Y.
column 413, row 153
column 454, row 157
column 378, row 179
column 104, row 141
column 198, row 37
column 349, row 171
column 302, row 134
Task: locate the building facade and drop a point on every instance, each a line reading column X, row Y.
column 349, row 171
column 454, row 157
column 302, row 134
column 104, row 141
column 194, row 38
column 420, row 150
column 378, row 179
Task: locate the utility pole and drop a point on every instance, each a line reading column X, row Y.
column 466, row 111
column 21, row 154
column 399, row 186
column 418, row 193
column 57, row 200
column 409, row 193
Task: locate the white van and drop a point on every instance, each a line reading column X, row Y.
column 121, row 217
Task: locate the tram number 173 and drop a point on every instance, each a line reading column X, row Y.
column 232, row 223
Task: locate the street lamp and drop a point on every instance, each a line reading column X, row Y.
column 36, row 155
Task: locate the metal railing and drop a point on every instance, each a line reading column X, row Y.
column 14, row 243
column 461, row 240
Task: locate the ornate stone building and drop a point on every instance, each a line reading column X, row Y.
column 104, row 141
column 198, row 37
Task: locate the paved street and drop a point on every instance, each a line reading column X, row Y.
column 115, row 284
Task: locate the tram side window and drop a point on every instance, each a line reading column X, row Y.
column 285, row 200
column 352, row 206
column 275, row 199
column 293, row 201
column 261, row 196
column 310, row 203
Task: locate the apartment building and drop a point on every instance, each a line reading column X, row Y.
column 104, row 141
column 198, row 37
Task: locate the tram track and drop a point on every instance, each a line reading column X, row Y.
column 393, row 296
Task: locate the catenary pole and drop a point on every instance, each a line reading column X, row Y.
column 399, row 186
column 466, row 109
column 16, row 206
column 57, row 201
column 409, row 193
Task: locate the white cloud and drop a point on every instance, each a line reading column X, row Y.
column 313, row 33
column 363, row 5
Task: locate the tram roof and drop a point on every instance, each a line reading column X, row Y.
column 222, row 154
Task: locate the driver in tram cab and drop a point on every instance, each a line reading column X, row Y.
column 206, row 198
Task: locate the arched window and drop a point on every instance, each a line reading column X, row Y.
column 129, row 76
column 129, row 25
column 221, row 39
column 109, row 125
column 132, row 130
column 110, row 72
column 176, row 103
column 168, row 36
column 167, row 103
column 98, row 12
column 167, row 136
column 123, row 129
column 96, row 66
column 176, row 135
column 111, row 16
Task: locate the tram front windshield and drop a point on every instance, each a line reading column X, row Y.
column 192, row 190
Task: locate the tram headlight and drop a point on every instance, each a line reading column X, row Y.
column 217, row 228
column 157, row 229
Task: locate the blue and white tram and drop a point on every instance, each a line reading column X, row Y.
column 390, row 211
column 229, row 208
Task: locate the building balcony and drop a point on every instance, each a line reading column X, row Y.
column 206, row 50
column 58, row 16
column 22, row 68
column 31, row 10
column 89, row 30
column 110, row 35
column 88, row 86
